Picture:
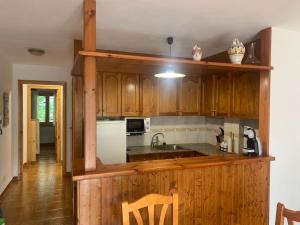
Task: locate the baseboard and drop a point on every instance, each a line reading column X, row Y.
column 14, row 179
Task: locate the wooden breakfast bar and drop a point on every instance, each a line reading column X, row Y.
column 230, row 189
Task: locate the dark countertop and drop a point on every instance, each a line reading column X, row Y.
column 204, row 148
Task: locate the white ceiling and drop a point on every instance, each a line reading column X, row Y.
column 136, row 25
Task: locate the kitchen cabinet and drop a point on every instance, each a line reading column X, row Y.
column 189, row 92
column 207, row 95
column 245, row 95
column 148, row 95
column 111, row 86
column 168, row 99
column 222, row 95
column 130, row 94
column 216, row 95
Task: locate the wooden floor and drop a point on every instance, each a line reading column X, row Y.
column 42, row 197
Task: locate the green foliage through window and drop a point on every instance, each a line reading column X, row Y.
column 46, row 109
column 41, row 108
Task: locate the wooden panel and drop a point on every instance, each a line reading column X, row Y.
column 99, row 94
column 264, row 111
column 190, row 96
column 77, row 117
column 130, row 94
column 111, row 94
column 32, row 140
column 245, row 95
column 222, row 95
column 207, row 95
column 226, row 195
column 168, row 101
column 148, row 95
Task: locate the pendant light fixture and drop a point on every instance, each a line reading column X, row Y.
column 170, row 70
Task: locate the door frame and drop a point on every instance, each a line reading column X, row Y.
column 20, row 119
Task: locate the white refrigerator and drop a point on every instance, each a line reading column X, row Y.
column 111, row 141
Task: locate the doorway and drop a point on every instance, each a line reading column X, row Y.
column 42, row 123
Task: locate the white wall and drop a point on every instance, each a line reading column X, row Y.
column 5, row 138
column 285, row 120
column 41, row 73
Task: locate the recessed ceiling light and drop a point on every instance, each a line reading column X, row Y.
column 36, row 51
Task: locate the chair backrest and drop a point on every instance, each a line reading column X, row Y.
column 282, row 212
column 150, row 201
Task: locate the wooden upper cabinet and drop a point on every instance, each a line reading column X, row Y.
column 111, row 94
column 245, row 95
column 222, row 93
column 130, row 94
column 99, row 93
column 168, row 104
column 189, row 93
column 207, row 95
column 148, row 95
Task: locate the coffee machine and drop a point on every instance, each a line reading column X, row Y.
column 253, row 144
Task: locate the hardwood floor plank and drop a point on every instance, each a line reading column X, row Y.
column 42, row 197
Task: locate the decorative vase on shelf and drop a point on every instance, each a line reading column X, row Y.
column 251, row 58
column 197, row 53
column 236, row 52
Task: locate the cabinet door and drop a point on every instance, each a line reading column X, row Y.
column 207, row 95
column 99, row 96
column 148, row 95
column 190, row 96
column 222, row 95
column 167, row 96
column 130, row 94
column 245, row 95
column 111, row 94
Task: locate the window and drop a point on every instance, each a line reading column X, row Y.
column 46, row 108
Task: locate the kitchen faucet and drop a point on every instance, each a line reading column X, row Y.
column 155, row 140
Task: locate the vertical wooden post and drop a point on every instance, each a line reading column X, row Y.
column 89, row 79
column 264, row 93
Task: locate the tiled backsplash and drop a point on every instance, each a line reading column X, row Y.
column 186, row 129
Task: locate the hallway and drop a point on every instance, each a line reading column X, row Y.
column 42, row 197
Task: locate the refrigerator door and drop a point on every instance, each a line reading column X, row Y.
column 111, row 141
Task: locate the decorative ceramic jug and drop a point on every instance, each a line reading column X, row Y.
column 236, row 52
column 197, row 53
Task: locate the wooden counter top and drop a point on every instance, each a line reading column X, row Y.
column 159, row 165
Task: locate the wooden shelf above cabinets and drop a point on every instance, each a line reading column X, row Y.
column 144, row 60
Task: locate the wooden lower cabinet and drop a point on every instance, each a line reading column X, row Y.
column 111, row 87
column 148, row 95
column 189, row 95
column 245, row 95
column 230, row 194
column 130, row 94
column 168, row 97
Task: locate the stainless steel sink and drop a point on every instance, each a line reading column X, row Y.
column 168, row 147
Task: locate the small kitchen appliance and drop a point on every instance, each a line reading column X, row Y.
column 253, row 144
column 137, row 125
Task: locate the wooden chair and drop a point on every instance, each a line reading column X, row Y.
column 282, row 212
column 150, row 201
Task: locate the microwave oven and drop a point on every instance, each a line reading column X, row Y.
column 137, row 125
